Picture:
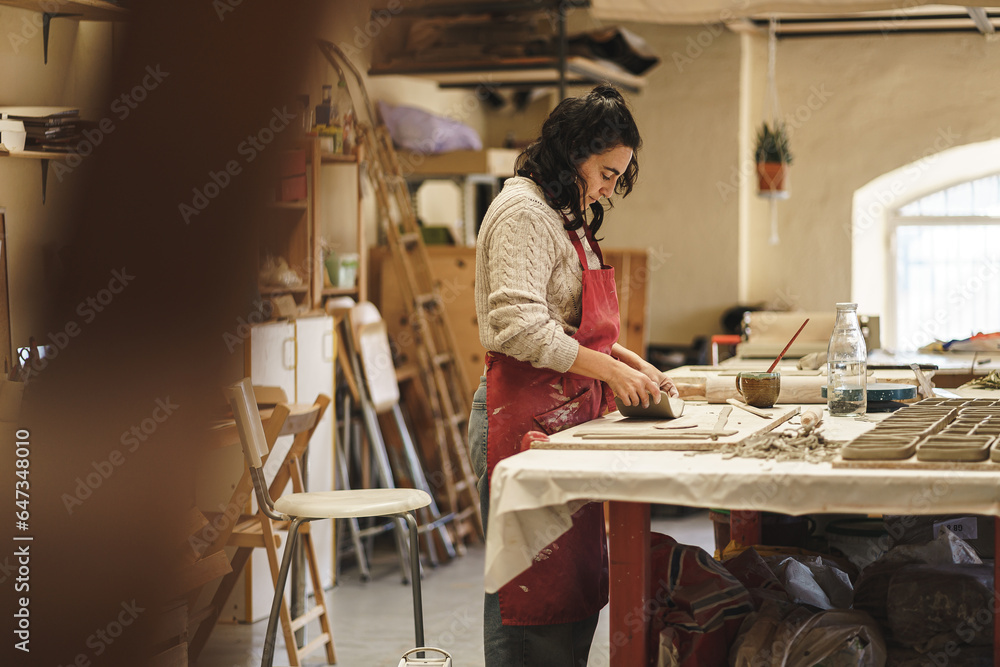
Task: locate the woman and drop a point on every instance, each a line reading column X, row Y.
column 548, row 317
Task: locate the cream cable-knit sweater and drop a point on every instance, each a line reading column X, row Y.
column 529, row 279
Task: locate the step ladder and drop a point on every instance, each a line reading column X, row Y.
column 444, row 383
column 362, row 347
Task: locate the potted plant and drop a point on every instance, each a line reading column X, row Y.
column 772, row 155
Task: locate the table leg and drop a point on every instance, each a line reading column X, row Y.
column 744, row 527
column 630, row 581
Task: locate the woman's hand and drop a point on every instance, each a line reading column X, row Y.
column 631, row 385
column 649, row 370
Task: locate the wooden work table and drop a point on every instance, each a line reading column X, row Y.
column 535, row 493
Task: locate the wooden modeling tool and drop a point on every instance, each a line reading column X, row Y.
column 749, row 408
column 774, row 365
column 778, row 422
column 723, row 418
column 925, row 385
column 618, row 435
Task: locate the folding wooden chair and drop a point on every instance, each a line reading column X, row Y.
column 298, row 508
column 249, row 532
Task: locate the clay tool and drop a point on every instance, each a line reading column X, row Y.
column 749, row 408
column 811, row 417
column 778, row 422
column 618, row 435
column 925, row 385
column 775, row 363
column 723, row 418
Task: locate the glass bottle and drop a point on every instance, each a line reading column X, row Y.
column 847, row 365
column 345, row 117
column 324, row 107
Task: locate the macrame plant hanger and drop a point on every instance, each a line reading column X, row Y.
column 772, row 115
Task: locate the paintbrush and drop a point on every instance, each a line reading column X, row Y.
column 773, row 365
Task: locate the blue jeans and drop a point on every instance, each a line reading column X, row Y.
column 556, row 645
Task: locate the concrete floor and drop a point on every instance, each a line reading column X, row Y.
column 373, row 622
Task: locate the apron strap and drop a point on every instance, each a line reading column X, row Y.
column 575, row 238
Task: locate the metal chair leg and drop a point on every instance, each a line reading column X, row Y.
column 267, row 659
column 418, row 605
column 352, row 523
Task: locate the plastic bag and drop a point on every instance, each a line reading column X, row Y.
column 764, row 634
column 931, row 606
column 836, row 638
column 814, row 580
column 872, row 589
column 426, row 133
column 785, row 635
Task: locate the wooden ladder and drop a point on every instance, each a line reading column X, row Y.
column 445, row 385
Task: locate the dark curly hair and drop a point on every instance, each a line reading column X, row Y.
column 576, row 129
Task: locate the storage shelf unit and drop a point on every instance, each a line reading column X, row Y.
column 293, row 230
column 320, row 292
column 559, row 69
column 514, row 72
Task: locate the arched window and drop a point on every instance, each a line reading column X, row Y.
column 925, row 246
column 945, row 261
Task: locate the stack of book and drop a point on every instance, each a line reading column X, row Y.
column 55, row 129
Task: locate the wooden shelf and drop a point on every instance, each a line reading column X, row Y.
column 84, row 10
column 271, row 289
column 44, row 157
column 36, row 155
column 331, row 158
column 339, row 291
column 528, row 71
column 493, row 161
column 300, row 205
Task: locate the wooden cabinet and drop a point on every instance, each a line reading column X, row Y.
column 455, row 268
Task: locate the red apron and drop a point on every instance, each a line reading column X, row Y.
column 568, row 580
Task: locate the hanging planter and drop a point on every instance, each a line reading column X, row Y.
column 773, row 157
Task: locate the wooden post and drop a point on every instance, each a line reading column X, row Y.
column 630, row 578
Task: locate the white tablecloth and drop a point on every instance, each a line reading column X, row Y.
column 535, row 493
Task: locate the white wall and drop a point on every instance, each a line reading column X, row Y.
column 867, row 106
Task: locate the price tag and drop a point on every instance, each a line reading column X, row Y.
column 966, row 527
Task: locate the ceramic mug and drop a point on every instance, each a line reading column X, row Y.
column 759, row 389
